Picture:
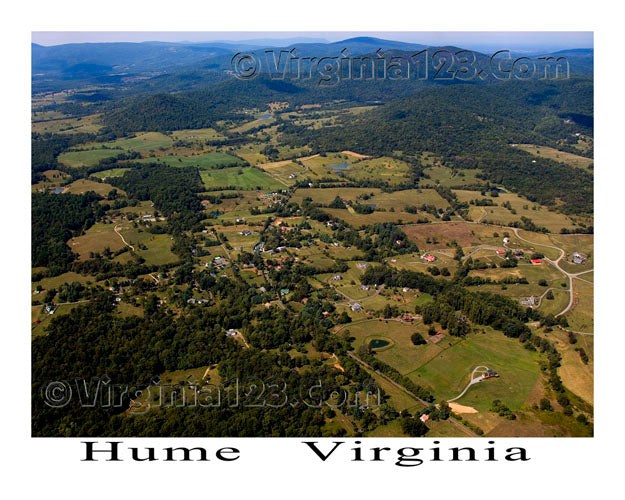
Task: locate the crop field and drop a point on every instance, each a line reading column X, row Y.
column 448, row 373
column 561, row 156
column 87, row 158
column 242, row 178
column 202, row 161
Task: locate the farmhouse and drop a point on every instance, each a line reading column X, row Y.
column 529, row 301
column 506, row 240
column 424, row 418
column 499, row 252
column 537, row 261
column 356, row 307
column 490, row 374
column 578, row 258
column 429, row 258
column 231, row 333
column 337, row 277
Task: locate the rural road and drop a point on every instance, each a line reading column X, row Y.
column 117, row 229
column 556, row 264
column 472, row 382
column 399, row 386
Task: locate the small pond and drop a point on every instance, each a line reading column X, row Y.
column 378, row 343
column 340, row 166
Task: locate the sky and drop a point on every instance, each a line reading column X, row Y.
column 477, row 40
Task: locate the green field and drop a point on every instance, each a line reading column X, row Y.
column 96, row 239
column 580, row 317
column 143, row 141
column 87, row 158
column 243, row 178
column 83, row 185
column 540, row 215
column 561, row 156
column 112, row 172
column 203, row 161
column 448, row 373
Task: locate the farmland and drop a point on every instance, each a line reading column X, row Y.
column 363, row 237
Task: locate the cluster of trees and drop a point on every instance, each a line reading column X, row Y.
column 56, row 219
column 171, row 189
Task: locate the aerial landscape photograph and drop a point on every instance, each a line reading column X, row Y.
column 315, row 235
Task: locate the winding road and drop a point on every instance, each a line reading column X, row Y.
column 556, row 264
column 478, row 369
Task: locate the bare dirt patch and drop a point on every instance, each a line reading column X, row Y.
column 457, row 408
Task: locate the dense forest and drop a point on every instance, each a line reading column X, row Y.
column 56, row 219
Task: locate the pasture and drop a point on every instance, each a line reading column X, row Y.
column 447, row 177
column 560, row 156
column 202, row 161
column 112, row 172
column 142, row 141
column 580, row 317
column 87, row 158
column 95, row 240
column 447, row 373
column 83, row 185
column 499, row 215
column 242, row 178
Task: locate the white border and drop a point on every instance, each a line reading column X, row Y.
column 574, row 468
